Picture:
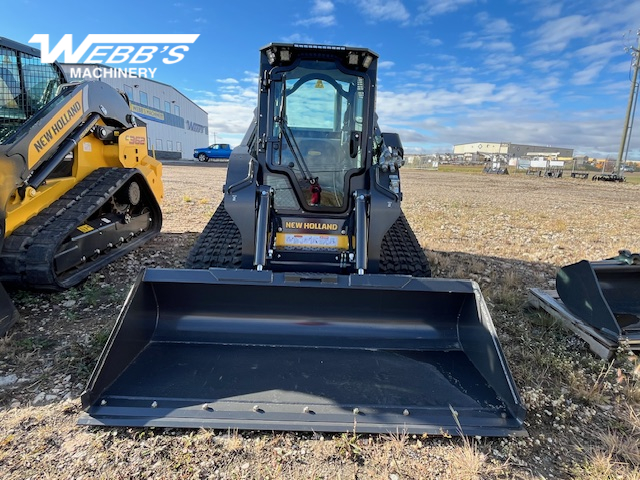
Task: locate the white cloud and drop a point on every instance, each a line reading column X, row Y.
column 547, row 9
column 250, row 77
column 493, row 46
column 440, row 7
column 321, row 15
column 322, row 21
column 598, row 51
column 588, row 75
column 493, row 27
column 408, row 105
column 547, row 65
column 550, row 82
column 429, row 41
column 384, row 10
column 322, row 7
column 443, row 66
column 555, row 35
column 227, row 80
column 621, row 15
column 230, row 108
column 621, row 67
column 298, row 38
column 493, row 35
column 441, row 132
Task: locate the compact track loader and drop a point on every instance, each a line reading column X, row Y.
column 77, row 186
column 307, row 302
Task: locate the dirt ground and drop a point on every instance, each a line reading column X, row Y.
column 509, row 233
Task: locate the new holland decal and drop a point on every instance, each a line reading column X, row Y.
column 307, row 226
column 55, row 129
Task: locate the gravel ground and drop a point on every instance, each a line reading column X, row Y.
column 509, row 233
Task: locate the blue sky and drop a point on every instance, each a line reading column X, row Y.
column 545, row 72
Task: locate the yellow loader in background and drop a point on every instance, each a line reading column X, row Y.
column 78, row 188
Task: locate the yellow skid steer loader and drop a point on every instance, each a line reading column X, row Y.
column 78, row 188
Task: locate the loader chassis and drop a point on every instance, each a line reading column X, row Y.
column 321, row 166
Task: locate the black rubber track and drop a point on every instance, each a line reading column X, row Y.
column 401, row 253
column 28, row 253
column 219, row 245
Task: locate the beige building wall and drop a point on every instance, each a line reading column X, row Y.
column 510, row 149
column 481, row 147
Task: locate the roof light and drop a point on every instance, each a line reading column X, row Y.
column 353, row 58
column 271, row 56
column 367, row 61
column 285, row 55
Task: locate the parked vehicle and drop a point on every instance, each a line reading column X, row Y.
column 216, row 151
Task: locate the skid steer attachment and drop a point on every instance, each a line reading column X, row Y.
column 605, row 295
column 276, row 351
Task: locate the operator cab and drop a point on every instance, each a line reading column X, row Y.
column 317, row 109
column 26, row 85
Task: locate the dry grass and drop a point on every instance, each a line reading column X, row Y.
column 506, row 233
column 603, row 466
column 468, row 462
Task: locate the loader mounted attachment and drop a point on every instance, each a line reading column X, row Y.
column 605, row 295
column 276, row 351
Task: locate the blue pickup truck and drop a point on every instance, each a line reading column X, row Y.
column 215, row 151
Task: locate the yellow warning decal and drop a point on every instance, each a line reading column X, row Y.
column 85, row 228
column 55, row 129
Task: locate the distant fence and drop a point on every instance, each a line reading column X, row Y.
column 423, row 162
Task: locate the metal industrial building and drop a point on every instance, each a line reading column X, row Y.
column 175, row 125
column 509, row 150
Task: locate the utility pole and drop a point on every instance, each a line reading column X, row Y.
column 633, row 96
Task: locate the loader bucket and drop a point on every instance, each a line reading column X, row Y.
column 605, row 295
column 273, row 351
